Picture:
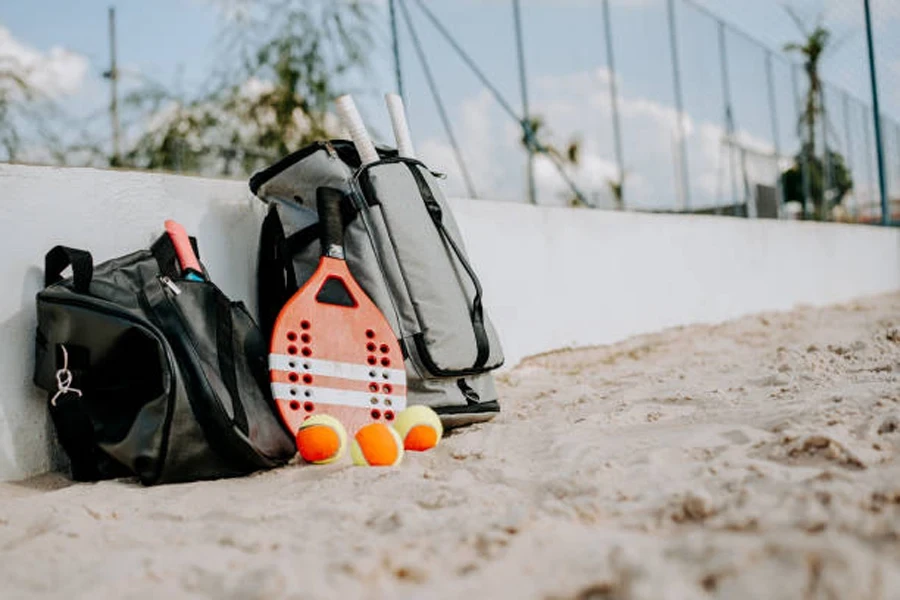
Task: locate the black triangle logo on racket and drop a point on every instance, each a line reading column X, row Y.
column 333, row 291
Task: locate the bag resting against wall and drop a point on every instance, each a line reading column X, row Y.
column 404, row 248
column 151, row 375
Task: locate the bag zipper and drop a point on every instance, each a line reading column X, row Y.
column 190, row 347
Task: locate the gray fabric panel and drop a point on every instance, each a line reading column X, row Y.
column 496, row 350
column 301, row 179
column 439, row 301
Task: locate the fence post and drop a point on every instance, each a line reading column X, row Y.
column 876, row 115
column 868, row 146
column 849, row 149
column 804, row 159
column 828, row 174
column 679, row 106
column 526, row 115
column 729, row 116
column 614, row 100
column 773, row 111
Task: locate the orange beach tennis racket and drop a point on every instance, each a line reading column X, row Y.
column 332, row 351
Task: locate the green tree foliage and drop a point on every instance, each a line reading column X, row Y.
column 287, row 61
column 827, row 189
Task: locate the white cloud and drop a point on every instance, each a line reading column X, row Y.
column 578, row 106
column 57, row 72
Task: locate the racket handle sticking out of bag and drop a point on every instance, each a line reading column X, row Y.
column 398, row 123
column 332, row 354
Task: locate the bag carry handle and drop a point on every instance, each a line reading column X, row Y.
column 60, row 257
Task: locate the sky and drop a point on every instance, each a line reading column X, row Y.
column 65, row 46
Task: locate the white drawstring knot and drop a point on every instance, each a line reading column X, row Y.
column 64, row 379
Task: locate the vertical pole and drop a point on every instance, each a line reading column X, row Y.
column 113, row 76
column 679, row 106
column 804, row 157
column 868, row 147
column 395, row 45
column 614, row 100
column 728, row 114
column 776, row 142
column 526, row 115
column 897, row 146
column 849, row 149
column 828, row 175
column 882, row 188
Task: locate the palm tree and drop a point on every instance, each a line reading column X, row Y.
column 812, row 48
column 812, row 178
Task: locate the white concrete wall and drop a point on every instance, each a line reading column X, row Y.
column 553, row 277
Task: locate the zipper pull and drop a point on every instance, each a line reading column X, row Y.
column 330, row 150
column 170, row 284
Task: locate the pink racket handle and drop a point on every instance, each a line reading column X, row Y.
column 183, row 250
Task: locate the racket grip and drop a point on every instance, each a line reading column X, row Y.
column 399, row 124
column 352, row 120
column 328, row 202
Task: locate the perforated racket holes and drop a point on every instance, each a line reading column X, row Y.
column 373, row 374
column 376, row 414
column 306, row 366
column 307, row 351
column 373, row 387
column 291, row 336
column 292, row 349
column 384, row 349
column 385, row 374
column 389, row 415
column 373, row 400
column 305, row 338
column 294, row 405
column 292, row 365
column 309, row 406
column 304, row 325
column 307, row 393
column 292, row 391
column 307, row 379
column 371, row 359
column 293, row 377
column 370, row 334
column 387, row 390
column 385, row 362
column 371, row 346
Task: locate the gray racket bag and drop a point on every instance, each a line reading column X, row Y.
column 405, row 250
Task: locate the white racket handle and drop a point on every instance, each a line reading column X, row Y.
column 350, row 118
column 398, row 122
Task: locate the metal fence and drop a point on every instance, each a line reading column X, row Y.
column 668, row 107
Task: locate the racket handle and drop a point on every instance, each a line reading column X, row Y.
column 353, row 122
column 190, row 266
column 328, row 201
column 398, row 122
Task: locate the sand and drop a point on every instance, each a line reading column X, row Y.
column 751, row 459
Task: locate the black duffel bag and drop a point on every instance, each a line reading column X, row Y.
column 151, row 374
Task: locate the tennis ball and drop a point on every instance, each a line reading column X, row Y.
column 376, row 445
column 419, row 427
column 321, row 439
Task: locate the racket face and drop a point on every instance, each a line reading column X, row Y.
column 332, row 352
